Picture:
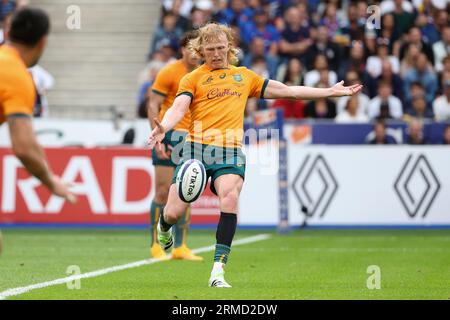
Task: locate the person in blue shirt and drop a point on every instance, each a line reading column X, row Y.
column 261, row 28
column 424, row 74
column 237, row 14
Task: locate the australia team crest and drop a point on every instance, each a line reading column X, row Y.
column 238, row 77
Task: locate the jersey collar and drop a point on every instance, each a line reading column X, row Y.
column 211, row 70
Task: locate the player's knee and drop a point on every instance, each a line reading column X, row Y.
column 229, row 200
column 172, row 213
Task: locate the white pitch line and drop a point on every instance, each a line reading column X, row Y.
column 21, row 290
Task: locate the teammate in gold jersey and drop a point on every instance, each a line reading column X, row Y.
column 26, row 38
column 163, row 93
column 216, row 94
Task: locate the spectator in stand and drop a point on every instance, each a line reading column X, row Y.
column 446, row 135
column 441, row 105
column 379, row 135
column 330, row 20
column 352, row 78
column 356, row 60
column 385, row 105
column 415, row 38
column 361, row 7
column 43, row 82
column 370, row 43
column 295, row 38
column 423, row 73
column 441, row 18
column 409, row 60
column 445, row 73
column 389, row 76
column 3, row 27
column 416, row 89
column 6, row 8
column 430, row 33
column 321, row 108
column 167, row 34
column 237, row 14
column 293, row 76
column 182, row 22
column 199, row 17
column 320, row 66
column 353, row 112
column 323, row 46
column 374, row 63
column 293, row 109
column 415, row 135
column 403, row 13
column 257, row 49
column 185, row 6
column 151, row 71
column 418, row 108
column 260, row 67
column 432, row 21
column 292, row 72
column 354, row 29
column 388, row 33
column 441, row 49
column 260, row 28
column 387, row 6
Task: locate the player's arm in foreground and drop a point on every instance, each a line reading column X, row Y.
column 153, row 108
column 174, row 115
column 29, row 152
column 278, row 90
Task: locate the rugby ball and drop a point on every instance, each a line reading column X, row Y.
column 191, row 180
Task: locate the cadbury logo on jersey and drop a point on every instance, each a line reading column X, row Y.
column 217, row 93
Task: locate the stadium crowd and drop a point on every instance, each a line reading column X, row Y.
column 399, row 49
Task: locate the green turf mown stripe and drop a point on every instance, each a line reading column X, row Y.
column 21, row 290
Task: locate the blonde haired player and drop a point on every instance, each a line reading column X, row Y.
column 162, row 95
column 216, row 94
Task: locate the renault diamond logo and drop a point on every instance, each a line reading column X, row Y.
column 417, row 186
column 315, row 186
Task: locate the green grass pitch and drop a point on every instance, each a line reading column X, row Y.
column 307, row 264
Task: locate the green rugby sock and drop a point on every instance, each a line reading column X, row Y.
column 155, row 211
column 221, row 254
column 181, row 228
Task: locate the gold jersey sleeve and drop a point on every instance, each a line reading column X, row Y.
column 166, row 85
column 17, row 90
column 218, row 101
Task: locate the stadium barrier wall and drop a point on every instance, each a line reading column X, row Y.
column 335, row 186
column 114, row 186
column 326, row 185
column 363, row 186
column 371, row 185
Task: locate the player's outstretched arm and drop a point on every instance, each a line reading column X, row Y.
column 30, row 153
column 153, row 107
column 154, row 104
column 174, row 115
column 278, row 90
